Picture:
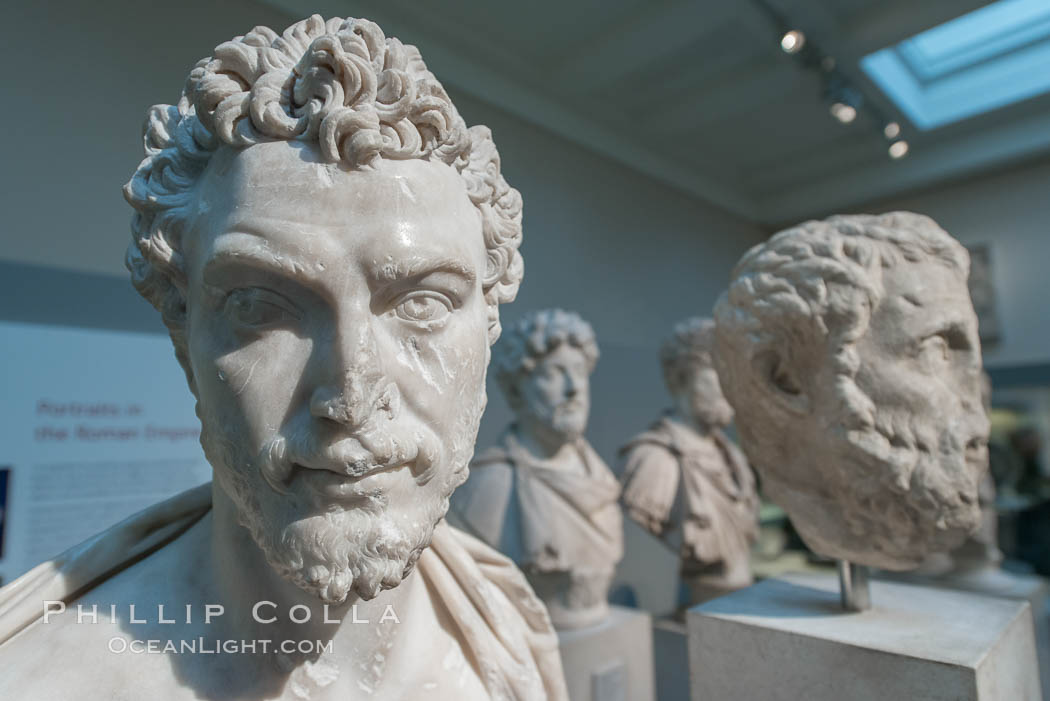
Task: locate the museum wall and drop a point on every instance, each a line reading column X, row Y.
column 1009, row 212
column 632, row 257
column 629, row 254
column 73, row 115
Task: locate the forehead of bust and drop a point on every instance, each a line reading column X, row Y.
column 286, row 185
column 566, row 356
column 564, row 359
column 918, row 295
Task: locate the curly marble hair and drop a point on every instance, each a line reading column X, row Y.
column 535, row 335
column 344, row 87
column 691, row 345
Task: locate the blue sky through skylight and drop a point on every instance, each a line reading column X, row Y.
column 981, row 61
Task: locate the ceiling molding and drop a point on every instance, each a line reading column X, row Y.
column 935, row 163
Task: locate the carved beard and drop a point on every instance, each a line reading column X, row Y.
column 568, row 421
column 912, row 488
column 710, row 412
column 333, row 550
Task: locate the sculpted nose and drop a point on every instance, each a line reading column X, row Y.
column 355, row 391
column 571, row 384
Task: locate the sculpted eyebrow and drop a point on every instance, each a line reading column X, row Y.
column 255, row 257
column 419, row 267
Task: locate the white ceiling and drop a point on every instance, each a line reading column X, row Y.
column 697, row 93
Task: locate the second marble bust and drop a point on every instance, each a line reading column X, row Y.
column 542, row 495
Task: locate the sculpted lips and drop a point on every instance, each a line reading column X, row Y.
column 347, row 468
column 346, row 485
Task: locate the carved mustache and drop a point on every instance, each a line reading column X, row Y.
column 368, row 452
column 569, row 405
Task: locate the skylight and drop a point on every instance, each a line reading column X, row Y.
column 981, row 61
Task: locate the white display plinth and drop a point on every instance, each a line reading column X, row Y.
column 788, row 638
column 612, row 661
column 1001, row 583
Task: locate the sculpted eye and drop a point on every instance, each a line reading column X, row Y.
column 957, row 339
column 254, row 307
column 423, row 307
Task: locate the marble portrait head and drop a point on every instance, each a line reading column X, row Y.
column 848, row 348
column 328, row 244
column 543, row 365
column 686, row 359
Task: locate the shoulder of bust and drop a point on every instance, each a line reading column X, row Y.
column 63, row 659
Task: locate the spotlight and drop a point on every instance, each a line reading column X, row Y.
column 898, row 149
column 844, row 100
column 892, row 130
column 843, row 112
column 792, row 41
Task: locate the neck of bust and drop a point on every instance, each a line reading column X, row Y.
column 683, row 414
column 541, row 441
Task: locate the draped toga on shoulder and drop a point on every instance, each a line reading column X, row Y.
column 505, row 627
column 544, row 518
column 700, row 484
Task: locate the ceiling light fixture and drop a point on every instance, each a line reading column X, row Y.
column 843, row 112
column 898, row 149
column 846, row 99
column 792, row 41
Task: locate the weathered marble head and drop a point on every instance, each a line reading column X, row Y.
column 328, row 245
column 543, row 365
column 690, row 374
column 849, row 349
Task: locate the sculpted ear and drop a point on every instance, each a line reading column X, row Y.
column 782, row 379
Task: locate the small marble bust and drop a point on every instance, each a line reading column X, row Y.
column 848, row 348
column 328, row 244
column 685, row 481
column 542, row 495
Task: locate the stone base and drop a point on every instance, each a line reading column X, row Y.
column 671, row 655
column 994, row 581
column 612, row 661
column 788, row 638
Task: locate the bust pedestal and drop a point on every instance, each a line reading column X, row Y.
column 993, row 581
column 788, row 638
column 610, row 661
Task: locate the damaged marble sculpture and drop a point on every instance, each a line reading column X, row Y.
column 685, row 481
column 328, row 245
column 848, row 348
column 542, row 495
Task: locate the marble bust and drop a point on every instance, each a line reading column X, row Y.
column 685, row 481
column 848, row 348
column 542, row 495
column 328, row 245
